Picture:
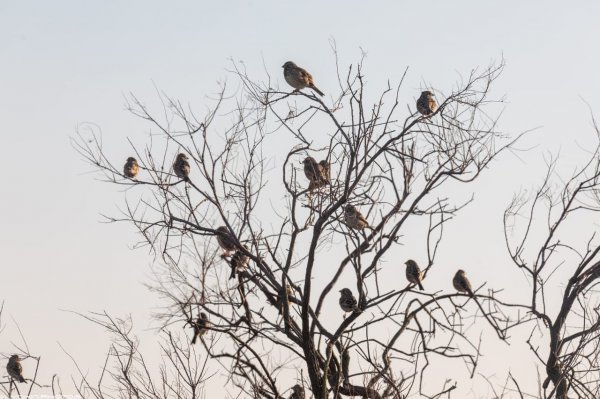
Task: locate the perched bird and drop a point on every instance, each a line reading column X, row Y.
column 461, row 283
column 200, row 326
column 297, row 392
column 414, row 273
column 181, row 167
column 280, row 297
column 325, row 172
column 354, row 219
column 298, row 77
column 312, row 169
column 238, row 262
column 14, row 368
column 131, row 168
column 225, row 240
column 426, row 104
column 347, row 301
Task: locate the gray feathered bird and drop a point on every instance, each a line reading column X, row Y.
column 181, row 167
column 347, row 301
column 414, row 274
column 461, row 283
column 299, row 78
column 225, row 240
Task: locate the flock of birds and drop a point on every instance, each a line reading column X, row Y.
column 318, row 175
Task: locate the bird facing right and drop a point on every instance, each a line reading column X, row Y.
column 461, row 283
column 131, row 168
column 297, row 392
column 14, row 368
column 347, row 301
column 354, row 219
column 200, row 327
column 426, row 104
column 225, row 240
column 181, row 167
column 414, row 274
column 299, row 78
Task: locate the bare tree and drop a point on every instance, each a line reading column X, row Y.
column 270, row 322
column 566, row 327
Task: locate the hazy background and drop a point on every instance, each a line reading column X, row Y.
column 68, row 62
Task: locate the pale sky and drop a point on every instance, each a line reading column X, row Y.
column 69, row 62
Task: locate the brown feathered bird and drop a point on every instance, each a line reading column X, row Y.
column 297, row 392
column 225, row 240
column 414, row 274
column 14, row 368
column 461, row 283
column 200, row 327
column 238, row 262
column 426, row 104
column 325, row 171
column 312, row 169
column 354, row 219
column 347, row 301
column 131, row 168
column 181, row 167
column 298, row 77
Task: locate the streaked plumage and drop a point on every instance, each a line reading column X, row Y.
column 298, row 77
column 354, row 219
column 426, row 104
column 14, row 368
column 325, row 171
column 200, row 326
column 238, row 262
column 181, row 167
column 461, row 283
column 414, row 274
column 347, row 301
column 312, row 170
column 131, row 168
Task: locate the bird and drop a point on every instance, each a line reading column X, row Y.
column 200, row 326
column 181, row 167
column 414, row 273
column 290, row 294
column 426, row 104
column 347, row 301
column 461, row 283
column 239, row 261
column 312, row 169
column 297, row 392
column 325, row 171
column 131, row 168
column 354, row 219
column 299, row 78
column 14, row 368
column 225, row 240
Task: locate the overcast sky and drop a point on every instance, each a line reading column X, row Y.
column 64, row 63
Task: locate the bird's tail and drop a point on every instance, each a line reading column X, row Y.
column 194, row 339
column 319, row 92
column 421, row 286
column 232, row 276
column 21, row 379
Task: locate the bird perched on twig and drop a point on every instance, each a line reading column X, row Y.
column 461, row 283
column 316, row 173
column 131, row 168
column 414, row 273
column 225, row 240
column 14, row 368
column 200, row 326
column 426, row 104
column 298, row 77
column 354, row 219
column 297, row 392
column 181, row 167
column 280, row 297
column 347, row 301
column 239, row 262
